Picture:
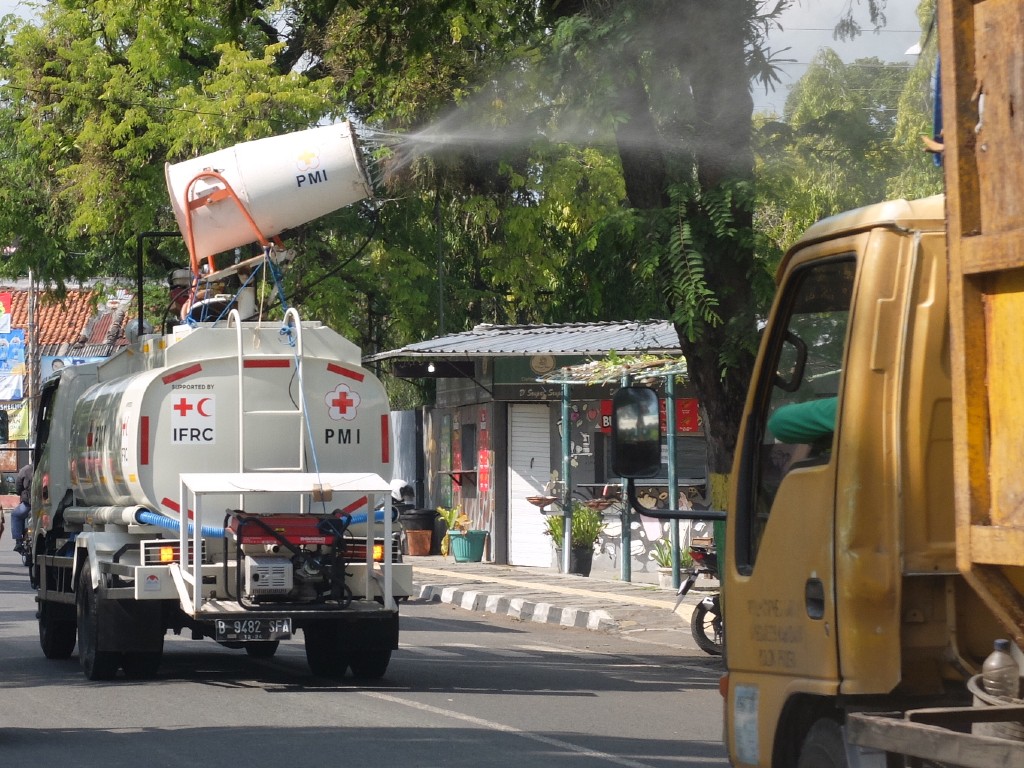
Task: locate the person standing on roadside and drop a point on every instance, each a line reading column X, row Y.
column 22, row 487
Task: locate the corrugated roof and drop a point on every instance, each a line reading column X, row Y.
column 72, row 325
column 625, row 337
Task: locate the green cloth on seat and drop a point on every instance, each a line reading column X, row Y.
column 805, row 422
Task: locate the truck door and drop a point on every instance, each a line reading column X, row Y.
column 780, row 604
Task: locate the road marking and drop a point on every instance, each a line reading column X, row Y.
column 423, row 650
column 501, row 727
column 552, row 649
column 533, row 586
column 458, row 649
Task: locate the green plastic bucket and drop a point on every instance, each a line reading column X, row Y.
column 468, row 547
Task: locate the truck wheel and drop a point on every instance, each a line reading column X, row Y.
column 96, row 664
column 704, row 626
column 324, row 651
column 823, row 747
column 141, row 665
column 57, row 636
column 262, row 650
column 370, row 664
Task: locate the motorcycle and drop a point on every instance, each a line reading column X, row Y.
column 706, row 623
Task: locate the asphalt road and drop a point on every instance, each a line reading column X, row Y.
column 464, row 689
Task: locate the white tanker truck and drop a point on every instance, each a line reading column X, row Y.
column 222, row 480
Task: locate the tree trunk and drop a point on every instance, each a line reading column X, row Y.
column 724, row 107
column 699, row 50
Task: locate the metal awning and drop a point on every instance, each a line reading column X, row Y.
column 629, row 337
column 609, row 370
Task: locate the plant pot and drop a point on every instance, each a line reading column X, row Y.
column 665, row 578
column 468, row 546
column 581, row 559
column 418, row 542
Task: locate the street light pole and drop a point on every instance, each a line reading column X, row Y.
column 33, row 348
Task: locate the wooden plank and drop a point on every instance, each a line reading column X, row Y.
column 982, row 53
column 997, row 545
column 952, row 717
column 910, row 739
column 980, row 254
column 998, row 94
column 1004, row 368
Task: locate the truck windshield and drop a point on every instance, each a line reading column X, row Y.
column 795, row 422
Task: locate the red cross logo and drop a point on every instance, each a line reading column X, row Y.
column 183, row 407
column 342, row 403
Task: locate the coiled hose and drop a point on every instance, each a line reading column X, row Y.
column 155, row 518
column 163, row 521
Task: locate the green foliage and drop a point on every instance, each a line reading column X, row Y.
column 661, row 554
column 455, row 520
column 850, row 136
column 97, row 97
column 587, row 526
column 557, row 162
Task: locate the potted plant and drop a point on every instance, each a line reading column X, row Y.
column 661, row 554
column 587, row 526
column 465, row 543
column 450, row 515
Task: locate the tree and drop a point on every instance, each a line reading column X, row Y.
column 663, row 88
column 849, row 136
column 614, row 178
column 97, row 96
column 673, row 79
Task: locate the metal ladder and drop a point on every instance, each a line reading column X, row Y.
column 256, row 421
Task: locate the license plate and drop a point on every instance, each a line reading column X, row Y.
column 249, row 630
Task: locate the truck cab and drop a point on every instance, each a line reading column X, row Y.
column 841, row 589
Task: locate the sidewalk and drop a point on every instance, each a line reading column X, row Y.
column 543, row 595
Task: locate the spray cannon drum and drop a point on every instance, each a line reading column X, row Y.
column 253, row 191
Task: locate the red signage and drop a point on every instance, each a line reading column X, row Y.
column 483, row 471
column 687, row 415
column 606, row 416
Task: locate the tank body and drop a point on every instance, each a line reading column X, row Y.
column 238, row 399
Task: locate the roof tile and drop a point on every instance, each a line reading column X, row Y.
column 71, row 321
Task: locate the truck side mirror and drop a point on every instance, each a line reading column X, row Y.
column 636, row 433
column 790, row 375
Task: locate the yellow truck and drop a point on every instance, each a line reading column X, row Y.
column 875, row 547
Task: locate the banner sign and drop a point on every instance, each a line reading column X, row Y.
column 12, row 351
column 17, row 421
column 5, row 311
column 49, row 365
column 11, row 386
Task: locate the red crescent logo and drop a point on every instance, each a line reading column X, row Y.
column 199, row 406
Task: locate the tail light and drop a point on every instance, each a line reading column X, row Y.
column 355, row 551
column 166, row 551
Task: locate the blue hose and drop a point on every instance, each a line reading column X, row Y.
column 154, row 518
column 378, row 517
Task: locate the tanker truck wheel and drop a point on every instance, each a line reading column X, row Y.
column 370, row 663
column 96, row 664
column 324, row 652
column 57, row 632
column 141, row 665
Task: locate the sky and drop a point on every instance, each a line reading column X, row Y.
column 807, row 28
